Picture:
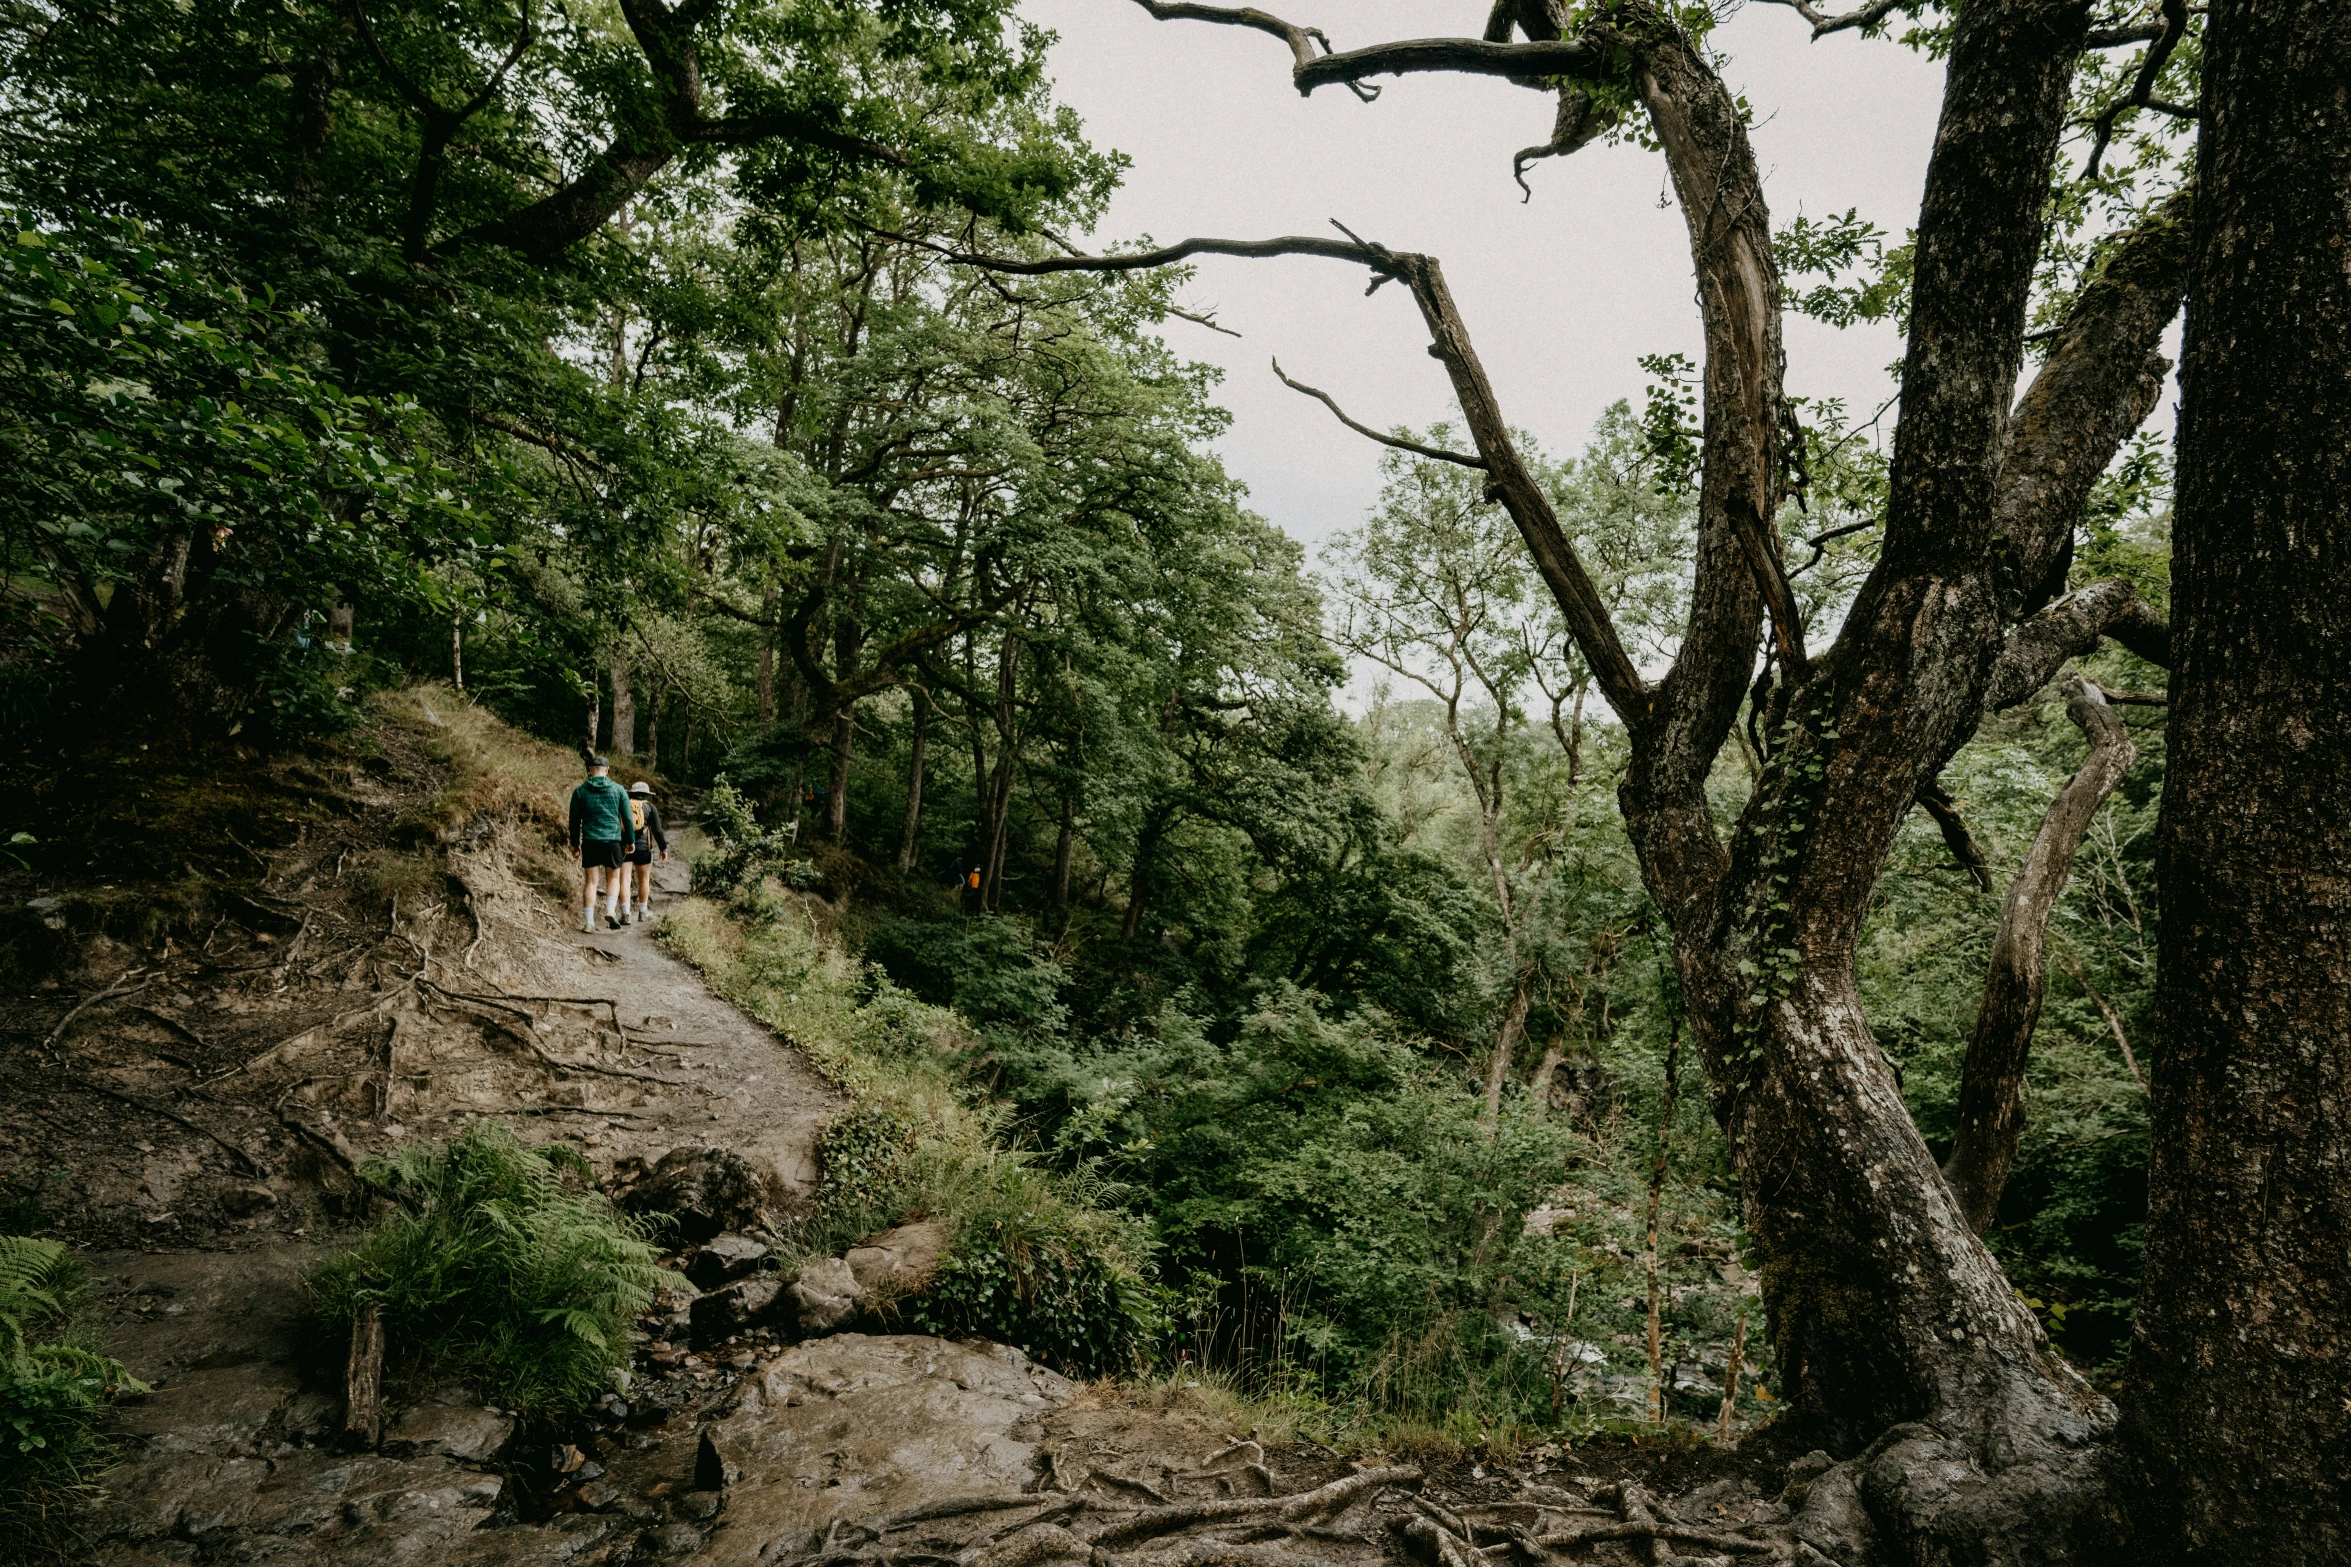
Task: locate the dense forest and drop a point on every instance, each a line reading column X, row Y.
column 1763, row 813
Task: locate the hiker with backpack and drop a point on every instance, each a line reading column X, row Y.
column 645, row 816
column 601, row 836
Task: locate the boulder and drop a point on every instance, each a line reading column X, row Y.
column 743, row 1304
column 723, row 1259
column 242, row 1202
column 673, row 1298
column 899, row 1262
column 461, row 1431
column 708, row 1191
column 825, row 1297
column 858, row 1427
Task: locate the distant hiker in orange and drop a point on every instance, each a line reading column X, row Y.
column 600, row 838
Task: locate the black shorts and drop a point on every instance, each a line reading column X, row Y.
column 641, row 856
column 602, row 854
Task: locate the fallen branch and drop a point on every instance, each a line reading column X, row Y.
column 177, row 1027
column 115, row 994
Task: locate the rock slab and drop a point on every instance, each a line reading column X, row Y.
column 899, row 1262
column 858, row 1424
column 825, row 1297
column 741, row 1305
column 724, row 1259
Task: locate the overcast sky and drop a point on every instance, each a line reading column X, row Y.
column 1561, row 294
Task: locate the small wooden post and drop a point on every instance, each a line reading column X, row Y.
column 363, row 1378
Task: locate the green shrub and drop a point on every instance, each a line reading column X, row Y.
column 743, row 855
column 1037, row 1261
column 497, row 1269
column 53, row 1391
column 1036, row 1258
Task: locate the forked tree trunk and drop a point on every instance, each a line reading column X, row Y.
column 2238, row 1388
column 1514, row 1024
column 1897, row 1332
column 1139, row 880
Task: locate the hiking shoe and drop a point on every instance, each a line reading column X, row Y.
column 614, row 923
column 588, row 923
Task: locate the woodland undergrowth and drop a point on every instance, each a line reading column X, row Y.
column 1303, row 1223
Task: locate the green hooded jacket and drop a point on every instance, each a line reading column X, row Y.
column 600, row 809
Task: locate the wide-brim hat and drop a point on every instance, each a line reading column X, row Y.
column 640, row 787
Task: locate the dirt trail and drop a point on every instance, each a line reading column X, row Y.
column 653, row 1061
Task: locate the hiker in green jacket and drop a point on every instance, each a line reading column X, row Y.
column 601, row 834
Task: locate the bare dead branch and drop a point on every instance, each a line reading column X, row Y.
column 1302, row 40
column 1580, row 120
column 1367, row 432
column 1991, row 1087
column 1509, row 479
column 1463, row 56
column 2141, row 95
column 1824, row 24
column 2122, row 1040
column 1209, row 322
column 2131, row 698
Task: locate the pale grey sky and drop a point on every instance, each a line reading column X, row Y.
column 1561, row 294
